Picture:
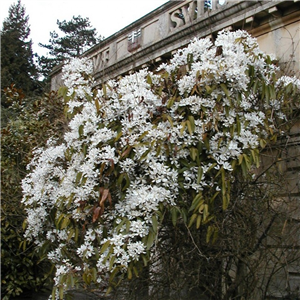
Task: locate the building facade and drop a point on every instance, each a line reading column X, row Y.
column 154, row 37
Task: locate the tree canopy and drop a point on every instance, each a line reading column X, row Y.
column 77, row 36
column 150, row 152
column 17, row 64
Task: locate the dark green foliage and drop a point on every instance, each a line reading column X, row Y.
column 17, row 65
column 32, row 122
column 78, row 36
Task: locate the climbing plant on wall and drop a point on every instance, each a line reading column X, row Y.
column 150, row 148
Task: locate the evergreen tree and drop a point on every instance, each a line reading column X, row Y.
column 17, row 65
column 78, row 37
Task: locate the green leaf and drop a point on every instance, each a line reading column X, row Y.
column 71, row 234
column 192, row 122
column 80, row 130
column 226, row 199
column 84, row 149
column 238, row 125
column 225, row 90
column 198, row 222
column 129, row 273
column 65, row 223
column 145, row 260
column 255, row 85
column 205, row 212
column 190, row 58
column 118, row 136
column 154, row 223
column 97, row 105
column 150, row 239
column 199, row 175
column 209, row 233
column 241, row 158
column 149, row 79
column 255, row 157
column 197, row 202
column 272, row 92
column 127, row 182
column 169, row 119
column 54, row 293
column 190, row 127
column 104, row 90
column 212, row 234
column 183, row 213
column 104, row 247
column 135, row 271
column 262, row 143
column 120, row 225
column 170, row 102
column 111, row 262
column 193, row 153
column 145, row 154
column 78, row 177
column 183, row 124
column 61, row 292
column 208, row 89
column 174, row 215
column 110, row 287
column 192, row 219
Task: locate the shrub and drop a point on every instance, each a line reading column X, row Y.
column 151, row 147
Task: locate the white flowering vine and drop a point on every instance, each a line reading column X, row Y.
column 147, row 146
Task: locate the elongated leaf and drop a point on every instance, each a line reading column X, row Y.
column 104, row 195
column 225, row 90
column 97, row 105
column 183, row 125
column 104, row 90
column 192, row 219
column 150, row 239
column 126, row 152
column 193, row 153
column 170, row 102
column 96, row 214
column 208, row 234
column 174, row 215
column 111, row 262
column 80, row 130
column 189, row 126
column 154, row 223
column 198, row 222
column 197, row 201
column 149, row 79
column 104, row 247
column 129, row 273
column 192, row 122
column 199, row 175
column 145, row 260
column 241, row 158
column 135, row 271
column 225, row 201
column 78, row 177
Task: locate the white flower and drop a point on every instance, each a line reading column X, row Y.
column 135, row 249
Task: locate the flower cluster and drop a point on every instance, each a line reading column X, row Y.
column 146, row 143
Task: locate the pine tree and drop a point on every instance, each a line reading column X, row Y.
column 17, row 65
column 78, row 36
